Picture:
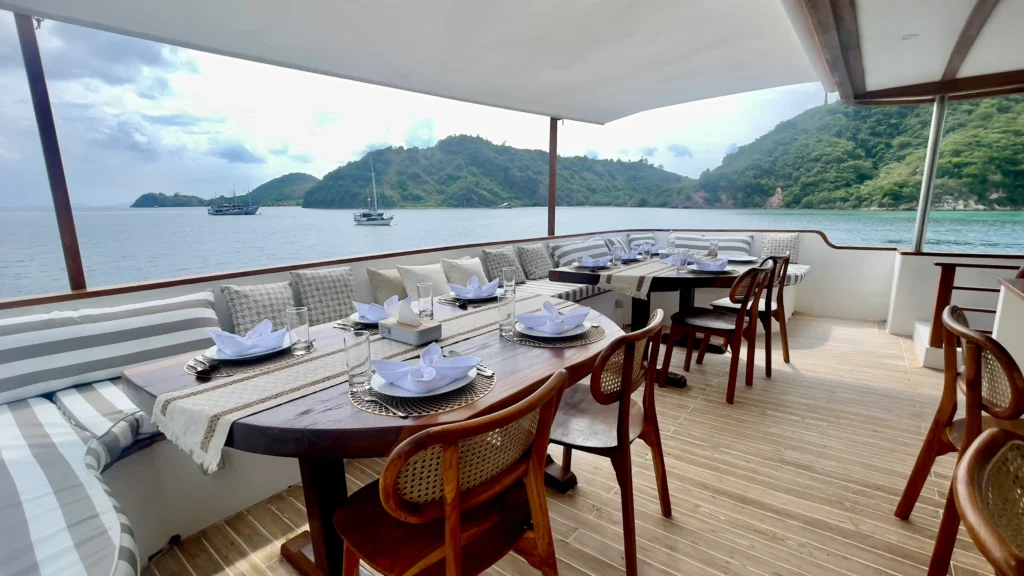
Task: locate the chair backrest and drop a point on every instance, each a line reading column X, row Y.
column 988, row 367
column 987, row 485
column 620, row 368
column 747, row 289
column 447, row 469
column 776, row 279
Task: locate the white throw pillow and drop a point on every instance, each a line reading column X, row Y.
column 460, row 271
column 385, row 284
column 430, row 273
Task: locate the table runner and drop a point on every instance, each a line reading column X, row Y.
column 198, row 419
column 634, row 279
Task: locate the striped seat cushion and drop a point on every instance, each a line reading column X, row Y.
column 563, row 290
column 105, row 413
column 796, row 273
column 739, row 244
column 566, row 253
column 44, row 353
column 58, row 515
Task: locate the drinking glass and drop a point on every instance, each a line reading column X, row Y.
column 298, row 330
column 647, row 251
column 507, row 313
column 713, row 251
column 508, row 280
column 357, row 356
column 616, row 257
column 683, row 257
column 425, row 294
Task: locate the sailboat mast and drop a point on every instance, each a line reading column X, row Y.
column 373, row 179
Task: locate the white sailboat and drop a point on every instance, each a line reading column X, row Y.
column 374, row 215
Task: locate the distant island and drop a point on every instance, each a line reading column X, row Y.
column 287, row 190
column 829, row 157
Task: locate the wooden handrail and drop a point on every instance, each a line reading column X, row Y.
column 944, row 295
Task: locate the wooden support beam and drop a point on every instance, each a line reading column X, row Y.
column 845, row 14
column 977, row 86
column 51, row 150
column 552, row 174
column 968, row 35
column 834, row 23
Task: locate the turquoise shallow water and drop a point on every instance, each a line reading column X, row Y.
column 132, row 245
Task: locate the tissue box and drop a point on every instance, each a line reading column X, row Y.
column 427, row 331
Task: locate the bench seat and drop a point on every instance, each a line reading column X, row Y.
column 59, row 516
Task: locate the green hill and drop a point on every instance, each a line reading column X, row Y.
column 286, row 190
column 158, row 200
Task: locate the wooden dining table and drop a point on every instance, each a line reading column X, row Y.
column 685, row 284
column 324, row 429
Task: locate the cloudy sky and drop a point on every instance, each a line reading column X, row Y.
column 135, row 116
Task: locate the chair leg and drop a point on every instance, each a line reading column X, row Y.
column 544, row 541
column 350, row 565
column 651, row 435
column 734, row 365
column 703, row 348
column 674, row 333
column 766, row 320
column 689, row 350
column 624, row 474
column 945, row 540
column 751, row 354
column 918, row 476
column 783, row 335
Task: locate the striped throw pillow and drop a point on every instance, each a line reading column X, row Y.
column 616, row 243
column 739, row 244
column 565, row 254
column 635, row 240
column 44, row 353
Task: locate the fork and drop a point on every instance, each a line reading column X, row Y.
column 364, row 393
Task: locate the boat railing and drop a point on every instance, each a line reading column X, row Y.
column 944, row 295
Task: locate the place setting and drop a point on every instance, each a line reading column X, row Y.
column 368, row 316
column 472, row 295
column 259, row 348
column 589, row 264
column 431, row 383
column 551, row 328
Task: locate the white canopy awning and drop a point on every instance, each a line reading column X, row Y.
column 588, row 60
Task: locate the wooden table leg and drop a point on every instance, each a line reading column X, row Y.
column 319, row 551
column 676, row 380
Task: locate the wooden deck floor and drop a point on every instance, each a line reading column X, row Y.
column 799, row 476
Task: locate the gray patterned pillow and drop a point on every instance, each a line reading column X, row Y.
column 250, row 305
column 495, row 260
column 536, row 261
column 327, row 293
column 780, row 245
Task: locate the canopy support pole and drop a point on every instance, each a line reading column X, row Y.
column 931, row 162
column 51, row 150
column 552, row 174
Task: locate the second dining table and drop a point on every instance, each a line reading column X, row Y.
column 325, row 428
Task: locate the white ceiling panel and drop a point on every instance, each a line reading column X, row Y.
column 1000, row 46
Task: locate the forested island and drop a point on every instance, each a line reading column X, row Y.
column 286, row 190
column 834, row 156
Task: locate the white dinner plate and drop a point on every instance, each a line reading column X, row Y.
column 214, row 354
column 741, row 258
column 532, row 333
column 693, row 268
column 378, row 384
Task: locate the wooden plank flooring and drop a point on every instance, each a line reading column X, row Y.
column 799, row 476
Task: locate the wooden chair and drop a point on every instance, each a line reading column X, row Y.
column 456, row 498
column 987, row 486
column 991, row 382
column 734, row 327
column 602, row 418
column 770, row 309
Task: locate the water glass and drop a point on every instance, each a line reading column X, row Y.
column 508, row 279
column 713, row 251
column 616, row 257
column 357, row 357
column 425, row 294
column 647, row 251
column 507, row 313
column 684, row 257
column 298, row 330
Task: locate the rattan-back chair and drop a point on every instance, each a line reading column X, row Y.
column 771, row 309
column 993, row 390
column 459, row 496
column 733, row 326
column 989, row 489
column 601, row 417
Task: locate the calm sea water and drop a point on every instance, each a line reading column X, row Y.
column 132, row 245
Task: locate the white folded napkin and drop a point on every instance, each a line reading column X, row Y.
column 711, row 264
column 433, row 371
column 259, row 339
column 374, row 312
column 402, row 311
column 588, row 262
column 551, row 321
column 656, row 249
column 473, row 289
column 679, row 259
column 633, row 255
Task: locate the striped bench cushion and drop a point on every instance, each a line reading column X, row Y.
column 796, row 273
column 105, row 413
column 59, row 517
column 701, row 243
column 44, row 353
column 563, row 290
column 566, row 253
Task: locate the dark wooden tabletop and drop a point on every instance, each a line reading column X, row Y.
column 668, row 282
column 326, row 424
